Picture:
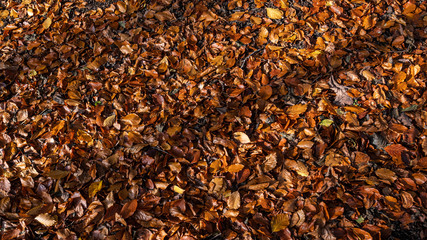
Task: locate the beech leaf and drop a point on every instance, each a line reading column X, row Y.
column 274, row 13
column 279, row 222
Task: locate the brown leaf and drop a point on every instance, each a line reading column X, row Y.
column 270, row 162
column 386, row 174
column 129, row 208
column 265, row 92
column 341, row 96
column 395, row 150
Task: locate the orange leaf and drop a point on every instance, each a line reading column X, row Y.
column 395, row 150
column 129, row 208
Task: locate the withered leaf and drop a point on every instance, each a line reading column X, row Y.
column 296, row 110
column 242, row 137
column 386, row 174
column 47, row 22
column 233, row 201
column 342, row 98
column 131, row 119
column 58, row 174
column 46, row 219
column 109, row 121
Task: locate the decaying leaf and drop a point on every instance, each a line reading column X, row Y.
column 342, row 98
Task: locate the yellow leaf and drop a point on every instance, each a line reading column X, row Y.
column 279, row 222
column 242, row 137
column 47, row 23
column 46, row 219
column 274, row 13
column 94, row 188
column 235, row 168
column 178, row 189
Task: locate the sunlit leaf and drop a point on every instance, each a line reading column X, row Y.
column 274, row 13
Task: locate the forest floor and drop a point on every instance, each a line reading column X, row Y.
column 187, row 119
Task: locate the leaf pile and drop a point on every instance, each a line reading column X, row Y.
column 209, row 119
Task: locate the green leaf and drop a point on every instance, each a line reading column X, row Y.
column 326, row 122
column 360, row 220
column 411, row 108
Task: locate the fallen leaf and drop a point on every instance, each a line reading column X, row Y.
column 341, row 96
column 131, row 119
column 296, row 110
column 109, row 121
column 94, row 188
column 279, row 222
column 47, row 23
column 242, row 137
column 326, row 122
column 235, row 168
column 386, row 174
column 178, row 189
column 129, row 208
column 270, row 162
column 274, row 13
column 233, row 201
column 45, row 219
